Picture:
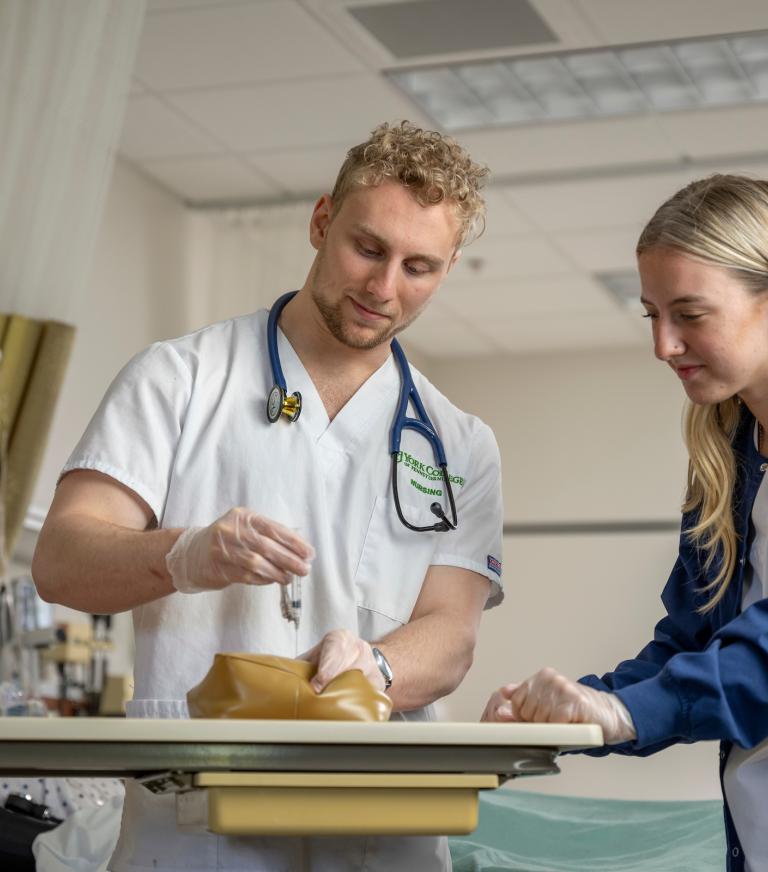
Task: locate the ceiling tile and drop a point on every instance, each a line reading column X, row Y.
column 438, row 332
column 291, row 114
column 566, row 332
column 210, row 179
column 567, row 20
column 519, row 298
column 151, row 130
column 502, row 218
column 628, row 200
column 237, row 44
column 494, row 257
column 165, row 5
column 515, row 151
column 630, row 21
column 709, row 133
column 304, row 171
column 608, row 249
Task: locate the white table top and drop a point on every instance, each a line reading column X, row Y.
column 563, row 736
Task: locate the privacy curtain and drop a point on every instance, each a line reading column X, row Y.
column 65, row 71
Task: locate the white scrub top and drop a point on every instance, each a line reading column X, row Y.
column 184, row 426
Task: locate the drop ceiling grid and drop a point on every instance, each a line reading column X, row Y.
column 710, row 133
column 322, row 111
column 557, row 146
column 305, row 171
column 601, row 249
column 243, row 45
column 567, row 19
column 521, row 298
column 621, row 22
column 439, row 332
column 519, row 256
column 282, row 126
column 597, row 203
column 562, row 330
column 211, row 178
column 572, row 28
column 153, row 130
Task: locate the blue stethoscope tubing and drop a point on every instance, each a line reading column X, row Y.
column 408, row 393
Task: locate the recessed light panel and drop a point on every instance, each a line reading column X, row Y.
column 580, row 85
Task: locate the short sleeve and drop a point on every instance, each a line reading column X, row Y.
column 476, row 543
column 134, row 433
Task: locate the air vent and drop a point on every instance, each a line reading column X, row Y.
column 423, row 28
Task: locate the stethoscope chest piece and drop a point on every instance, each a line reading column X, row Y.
column 279, row 402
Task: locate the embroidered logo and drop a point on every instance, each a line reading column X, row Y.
column 432, row 474
column 494, row 565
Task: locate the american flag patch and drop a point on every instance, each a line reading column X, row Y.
column 494, row 565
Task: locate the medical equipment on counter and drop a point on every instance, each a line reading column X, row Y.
column 64, row 663
column 80, row 656
column 280, row 403
column 26, row 629
column 245, row 777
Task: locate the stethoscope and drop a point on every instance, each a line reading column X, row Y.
column 281, row 403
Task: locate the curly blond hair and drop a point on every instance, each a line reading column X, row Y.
column 433, row 166
column 721, row 220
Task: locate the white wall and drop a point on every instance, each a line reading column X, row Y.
column 583, row 437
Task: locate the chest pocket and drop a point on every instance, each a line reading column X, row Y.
column 393, row 563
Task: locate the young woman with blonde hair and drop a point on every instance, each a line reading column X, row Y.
column 703, row 262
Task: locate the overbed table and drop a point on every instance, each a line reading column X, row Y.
column 241, row 777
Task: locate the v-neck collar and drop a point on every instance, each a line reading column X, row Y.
column 376, row 398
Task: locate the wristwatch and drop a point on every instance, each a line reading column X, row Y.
column 384, row 667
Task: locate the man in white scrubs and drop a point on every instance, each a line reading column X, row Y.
column 182, row 502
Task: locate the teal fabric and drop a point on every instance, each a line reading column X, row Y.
column 531, row 832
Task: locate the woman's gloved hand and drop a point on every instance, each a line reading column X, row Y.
column 339, row 651
column 240, row 547
column 548, row 697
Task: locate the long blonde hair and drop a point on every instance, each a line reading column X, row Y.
column 721, row 220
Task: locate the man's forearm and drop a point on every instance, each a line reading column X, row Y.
column 95, row 566
column 429, row 657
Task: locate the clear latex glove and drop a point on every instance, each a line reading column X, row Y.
column 340, row 651
column 240, row 547
column 548, row 697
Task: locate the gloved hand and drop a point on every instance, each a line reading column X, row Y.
column 240, row 547
column 340, row 651
column 548, row 697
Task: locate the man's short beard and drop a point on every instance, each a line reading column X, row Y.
column 334, row 321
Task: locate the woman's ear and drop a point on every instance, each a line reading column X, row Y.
column 320, row 220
